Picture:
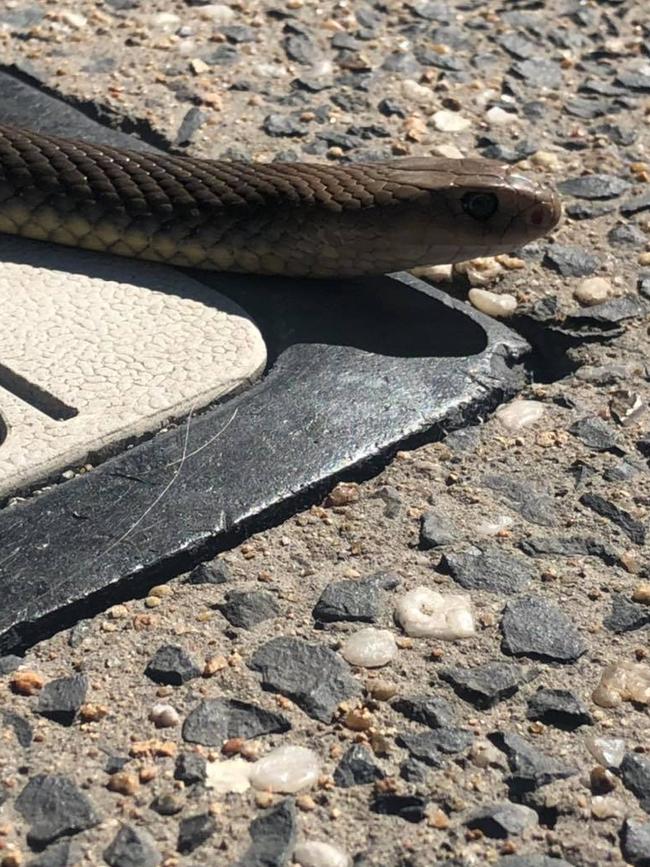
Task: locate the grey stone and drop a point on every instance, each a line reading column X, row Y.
column 558, row 707
column 570, row 260
column 238, row 33
column 300, row 48
column 485, row 685
column 635, row 205
column 356, row 768
column 190, row 768
column 21, row 728
column 612, row 312
column 193, row 831
column 54, row 807
column 597, row 186
column 635, row 772
column 430, row 710
column 626, row 616
column 638, row 81
column 626, row 235
column 58, row 855
column 60, row 699
column 436, row 530
column 502, row 819
column 533, row 626
column 273, row 837
column 568, row 546
column 192, row 121
column 132, row 847
column 9, row 663
column 224, row 55
column 589, row 210
column 247, row 608
column 214, row 720
column 281, row 125
column 531, row 861
column 635, row 842
column 215, row 572
column 530, row 767
column 632, row 528
column 413, row 771
column 539, row 73
column 168, row 803
column 172, row 665
column 493, row 569
column 358, row 600
column 532, row 503
column 595, row 433
column 411, row 808
column 430, row 746
column 312, row 675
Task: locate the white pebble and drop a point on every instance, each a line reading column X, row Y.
column 496, row 116
column 166, row 20
column 623, row 681
column 425, row 613
column 232, row 775
column 520, row 413
column 417, row 92
column 450, row 121
column 496, row 525
column 164, row 716
column 369, row 647
column 593, row 290
column 218, row 13
column 448, row 151
column 435, row 273
column 481, row 271
column 286, row 769
column 492, row 304
column 73, row 19
column 608, row 752
column 316, row 853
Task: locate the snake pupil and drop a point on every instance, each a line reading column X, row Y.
column 480, row 206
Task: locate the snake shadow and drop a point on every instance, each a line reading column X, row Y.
column 380, row 315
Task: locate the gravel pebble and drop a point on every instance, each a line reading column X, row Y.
column 535, row 627
column 370, row 648
column 287, row 769
column 425, row 613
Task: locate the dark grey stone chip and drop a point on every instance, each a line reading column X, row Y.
column 599, row 186
column 638, row 81
column 626, row 235
column 277, row 125
column 540, row 73
column 354, row 600
column 58, row 855
column 485, row 685
column 430, row 710
column 54, row 807
column 356, row 768
column 632, row 528
column 215, row 572
column 530, row 767
column 570, row 260
column 436, row 530
column 635, row 842
column 568, row 546
column 273, row 837
column 132, row 847
column 635, row 205
column 193, row 831
column 430, row 746
column 190, row 768
column 493, row 570
column 595, row 433
column 531, row 861
column 60, row 699
column 635, row 771
column 411, row 808
column 312, row 675
column 502, row 819
column 9, row 663
column 246, row 608
column 532, row 503
column 214, row 720
column 533, row 626
column 626, row 616
column 21, row 728
column 560, row 708
column 172, row 665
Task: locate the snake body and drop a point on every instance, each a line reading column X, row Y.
column 297, row 219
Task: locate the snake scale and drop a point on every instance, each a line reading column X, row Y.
column 297, row 219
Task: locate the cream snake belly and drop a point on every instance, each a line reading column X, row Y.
column 296, row 219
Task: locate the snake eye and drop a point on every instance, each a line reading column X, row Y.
column 480, row 206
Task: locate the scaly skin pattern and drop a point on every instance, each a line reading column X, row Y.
column 296, row 219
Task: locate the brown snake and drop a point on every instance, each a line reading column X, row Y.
column 298, row 219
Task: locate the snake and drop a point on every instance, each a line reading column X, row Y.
column 297, row 219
